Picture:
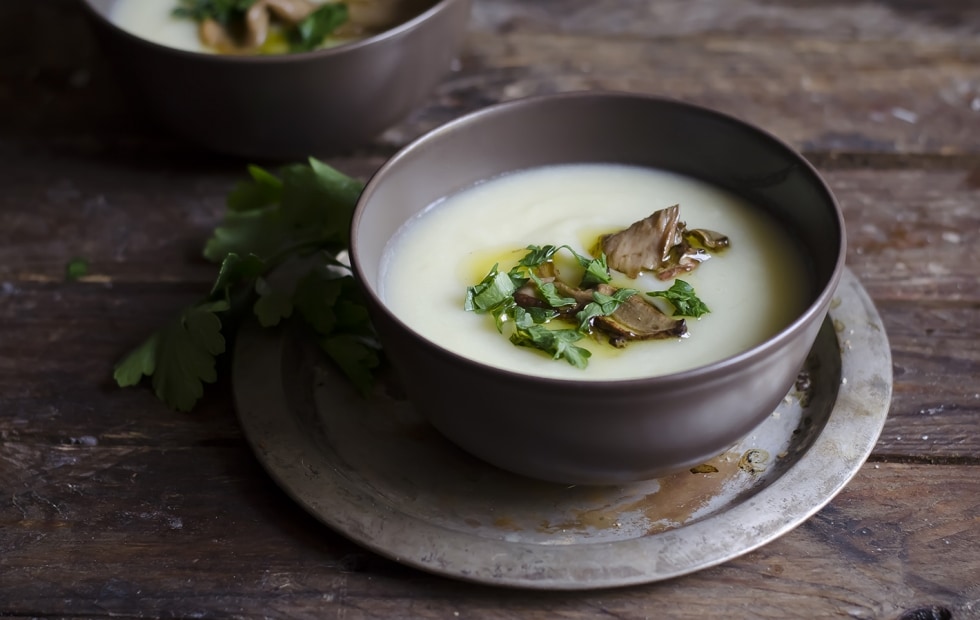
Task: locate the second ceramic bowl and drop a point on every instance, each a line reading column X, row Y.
column 295, row 105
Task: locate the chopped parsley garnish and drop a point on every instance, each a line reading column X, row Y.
column 310, row 33
column 225, row 12
column 232, row 16
column 555, row 342
column 603, row 305
column 681, row 296
column 524, row 300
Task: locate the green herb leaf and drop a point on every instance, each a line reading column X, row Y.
column 236, row 270
column 303, row 213
column 316, row 204
column 681, row 296
column 75, row 269
column 550, row 294
column 537, row 255
column 556, row 342
column 495, row 289
column 603, row 305
column 223, row 11
column 140, row 362
column 264, row 190
column 310, row 33
column 596, row 271
column 355, row 357
column 540, row 315
column 272, row 306
column 502, row 313
column 316, row 297
column 180, row 357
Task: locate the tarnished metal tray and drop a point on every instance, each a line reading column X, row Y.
column 373, row 470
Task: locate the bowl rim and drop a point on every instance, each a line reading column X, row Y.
column 401, row 29
column 689, row 377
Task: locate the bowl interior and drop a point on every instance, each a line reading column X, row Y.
column 603, row 128
column 417, row 10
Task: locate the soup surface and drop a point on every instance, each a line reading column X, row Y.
column 754, row 288
column 154, row 21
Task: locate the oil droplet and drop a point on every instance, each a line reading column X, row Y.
column 704, row 468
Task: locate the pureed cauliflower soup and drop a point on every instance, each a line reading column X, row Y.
column 267, row 28
column 753, row 288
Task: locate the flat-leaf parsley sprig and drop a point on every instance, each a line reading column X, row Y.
column 304, row 212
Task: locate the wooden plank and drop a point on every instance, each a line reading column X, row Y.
column 127, row 532
column 913, row 234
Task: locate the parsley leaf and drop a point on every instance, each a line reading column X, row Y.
column 495, row 289
column 314, row 210
column 180, row 357
column 310, row 33
column 75, row 269
column 603, row 305
column 263, row 190
column 304, row 213
column 538, row 255
column 596, row 271
column 681, row 296
column 356, row 358
column 525, row 317
column 223, row 11
column 555, row 342
column 273, row 305
column 550, row 294
column 234, row 271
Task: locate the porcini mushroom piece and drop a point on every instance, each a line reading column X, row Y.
column 708, row 239
column 684, row 259
column 256, row 25
column 214, row 35
column 645, row 245
column 660, row 244
column 637, row 319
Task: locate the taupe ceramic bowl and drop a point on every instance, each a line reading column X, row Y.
column 295, row 105
column 598, row 432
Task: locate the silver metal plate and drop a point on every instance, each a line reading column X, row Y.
column 373, row 470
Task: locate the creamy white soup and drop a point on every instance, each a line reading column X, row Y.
column 754, row 288
column 154, row 21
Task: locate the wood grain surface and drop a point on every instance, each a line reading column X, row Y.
column 112, row 505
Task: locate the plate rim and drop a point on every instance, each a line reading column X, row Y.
column 743, row 527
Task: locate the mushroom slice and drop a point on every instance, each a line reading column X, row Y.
column 707, row 239
column 582, row 297
column 637, row 319
column 528, row 296
column 662, row 245
column 256, row 25
column 215, row 36
column 684, row 259
column 646, row 244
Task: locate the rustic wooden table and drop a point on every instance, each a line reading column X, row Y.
column 113, row 505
